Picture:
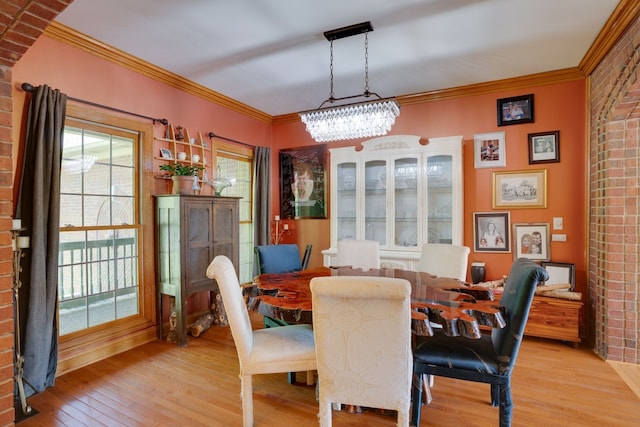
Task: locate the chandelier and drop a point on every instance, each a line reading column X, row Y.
column 356, row 120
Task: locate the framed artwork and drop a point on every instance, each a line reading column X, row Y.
column 544, row 147
column 560, row 272
column 515, row 110
column 520, row 189
column 166, row 154
column 303, row 183
column 491, row 232
column 531, row 241
column 489, row 150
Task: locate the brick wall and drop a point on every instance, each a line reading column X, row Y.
column 21, row 23
column 614, row 246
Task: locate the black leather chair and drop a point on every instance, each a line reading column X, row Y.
column 491, row 358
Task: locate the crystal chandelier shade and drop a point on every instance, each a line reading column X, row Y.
column 350, row 121
column 362, row 120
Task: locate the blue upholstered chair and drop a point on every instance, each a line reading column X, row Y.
column 284, row 258
column 490, row 359
column 281, row 258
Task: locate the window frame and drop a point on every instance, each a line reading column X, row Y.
column 98, row 342
column 242, row 154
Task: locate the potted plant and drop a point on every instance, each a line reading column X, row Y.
column 184, row 177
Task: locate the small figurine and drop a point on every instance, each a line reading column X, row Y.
column 179, row 134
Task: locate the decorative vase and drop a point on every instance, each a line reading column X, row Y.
column 182, row 185
column 478, row 272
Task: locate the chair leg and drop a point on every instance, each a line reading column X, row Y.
column 246, row 392
column 427, row 383
column 403, row 417
column 495, row 395
column 324, row 413
column 506, row 405
column 416, row 399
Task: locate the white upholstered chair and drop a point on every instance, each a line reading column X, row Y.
column 362, row 254
column 263, row 351
column 362, row 327
column 444, row 260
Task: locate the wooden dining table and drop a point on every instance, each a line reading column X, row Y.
column 460, row 309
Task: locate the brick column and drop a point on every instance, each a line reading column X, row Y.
column 614, row 244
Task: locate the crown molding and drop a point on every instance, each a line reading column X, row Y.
column 77, row 39
column 522, row 82
column 625, row 14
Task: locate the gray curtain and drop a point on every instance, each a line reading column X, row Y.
column 261, row 197
column 39, row 209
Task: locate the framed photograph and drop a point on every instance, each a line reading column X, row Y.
column 531, row 241
column 520, row 189
column 489, row 150
column 515, row 110
column 560, row 273
column 544, row 147
column 303, row 183
column 166, row 154
column 491, row 232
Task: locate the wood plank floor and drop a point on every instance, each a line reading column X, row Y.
column 159, row 384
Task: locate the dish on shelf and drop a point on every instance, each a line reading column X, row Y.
column 348, row 183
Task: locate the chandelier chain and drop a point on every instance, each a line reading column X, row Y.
column 355, row 120
column 331, row 70
column 366, row 64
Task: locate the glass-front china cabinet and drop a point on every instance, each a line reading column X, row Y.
column 399, row 190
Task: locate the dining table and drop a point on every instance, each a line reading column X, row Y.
column 459, row 309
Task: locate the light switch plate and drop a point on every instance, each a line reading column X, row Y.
column 557, row 223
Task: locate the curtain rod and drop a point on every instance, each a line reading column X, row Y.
column 213, row 135
column 28, row 87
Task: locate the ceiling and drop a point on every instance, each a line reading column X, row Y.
column 271, row 54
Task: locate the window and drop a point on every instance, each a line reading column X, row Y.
column 238, row 168
column 98, row 259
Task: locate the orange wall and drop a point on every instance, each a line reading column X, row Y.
column 557, row 107
column 84, row 76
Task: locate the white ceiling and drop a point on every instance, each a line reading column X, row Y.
column 272, row 55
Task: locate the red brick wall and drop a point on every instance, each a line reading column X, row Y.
column 614, row 244
column 21, row 23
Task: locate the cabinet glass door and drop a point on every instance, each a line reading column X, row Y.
column 405, row 184
column 346, row 201
column 440, row 199
column 375, row 201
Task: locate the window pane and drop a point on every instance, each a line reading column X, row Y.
column 98, row 266
column 239, row 172
column 97, row 180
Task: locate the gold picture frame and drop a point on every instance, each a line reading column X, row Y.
column 520, row 189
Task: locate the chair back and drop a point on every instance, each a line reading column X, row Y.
column 223, row 272
column 278, row 258
column 444, row 260
column 362, row 254
column 516, row 300
column 362, row 328
column 306, row 256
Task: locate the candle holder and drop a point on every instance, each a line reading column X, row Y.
column 277, row 236
column 19, row 244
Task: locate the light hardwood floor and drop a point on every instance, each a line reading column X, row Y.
column 159, row 384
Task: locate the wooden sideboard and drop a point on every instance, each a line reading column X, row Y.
column 555, row 318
